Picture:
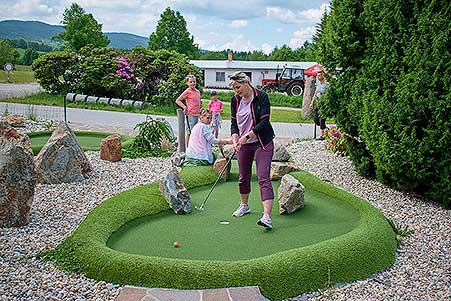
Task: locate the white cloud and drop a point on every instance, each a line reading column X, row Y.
column 300, row 36
column 26, row 9
column 238, row 23
column 267, row 48
column 314, row 15
column 279, row 29
column 281, row 14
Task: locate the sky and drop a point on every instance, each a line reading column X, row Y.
column 244, row 25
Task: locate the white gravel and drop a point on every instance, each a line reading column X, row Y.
column 57, row 211
column 422, row 269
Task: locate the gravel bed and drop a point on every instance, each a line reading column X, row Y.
column 57, row 211
column 422, row 270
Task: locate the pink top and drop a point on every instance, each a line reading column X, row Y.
column 192, row 98
column 244, row 119
column 215, row 106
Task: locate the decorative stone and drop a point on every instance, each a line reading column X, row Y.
column 62, row 159
column 80, row 98
column 111, row 148
column 219, row 165
column 92, row 99
column 115, row 101
column 9, row 133
column 279, row 169
column 280, row 153
column 104, row 100
column 127, row 103
column 17, row 178
column 291, row 195
column 15, row 120
column 309, row 92
column 175, row 193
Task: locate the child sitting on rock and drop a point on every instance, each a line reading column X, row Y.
column 199, row 151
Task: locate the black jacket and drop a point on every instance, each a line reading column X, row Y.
column 260, row 117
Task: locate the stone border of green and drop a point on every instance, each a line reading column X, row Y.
column 368, row 248
column 125, row 140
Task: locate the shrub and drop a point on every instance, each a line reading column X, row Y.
column 52, row 71
column 335, row 141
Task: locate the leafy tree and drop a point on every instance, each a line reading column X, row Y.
column 29, row 56
column 283, row 53
column 8, row 54
column 213, row 55
column 171, row 34
column 305, row 53
column 81, row 29
column 257, row 55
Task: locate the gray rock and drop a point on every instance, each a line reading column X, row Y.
column 280, row 153
column 62, row 159
column 17, row 179
column 175, row 193
column 291, row 195
column 279, row 169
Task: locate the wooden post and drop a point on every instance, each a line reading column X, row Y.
column 181, row 130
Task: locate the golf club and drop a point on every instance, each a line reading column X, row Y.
column 201, row 208
column 303, row 120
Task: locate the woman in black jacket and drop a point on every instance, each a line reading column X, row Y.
column 252, row 136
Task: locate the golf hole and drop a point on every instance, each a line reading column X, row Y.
column 224, row 222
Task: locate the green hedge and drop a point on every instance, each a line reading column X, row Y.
column 394, row 93
column 370, row 247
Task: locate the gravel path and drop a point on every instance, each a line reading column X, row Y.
column 422, row 269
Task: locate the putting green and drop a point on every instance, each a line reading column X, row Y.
column 201, row 235
column 88, row 140
column 127, row 239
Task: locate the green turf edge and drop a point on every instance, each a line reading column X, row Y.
column 368, row 248
column 125, row 140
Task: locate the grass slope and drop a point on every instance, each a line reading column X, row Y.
column 369, row 247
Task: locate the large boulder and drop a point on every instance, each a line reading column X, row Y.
column 279, row 169
column 175, row 193
column 291, row 195
column 15, row 120
column 280, row 153
column 111, row 148
column 62, row 159
column 17, row 178
column 219, row 165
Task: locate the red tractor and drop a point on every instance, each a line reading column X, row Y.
column 291, row 80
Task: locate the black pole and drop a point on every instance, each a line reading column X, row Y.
column 65, row 109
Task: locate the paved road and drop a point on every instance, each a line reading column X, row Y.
column 124, row 120
column 18, row 90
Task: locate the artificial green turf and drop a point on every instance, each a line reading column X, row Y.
column 202, row 237
column 369, row 247
column 88, row 140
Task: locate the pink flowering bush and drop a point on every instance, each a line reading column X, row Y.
column 335, row 141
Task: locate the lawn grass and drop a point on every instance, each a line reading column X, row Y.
column 368, row 247
column 22, row 74
column 89, row 141
column 44, row 98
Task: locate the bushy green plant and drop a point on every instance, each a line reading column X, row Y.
column 335, row 141
column 149, row 139
column 52, row 71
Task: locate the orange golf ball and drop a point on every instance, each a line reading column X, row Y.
column 175, row 244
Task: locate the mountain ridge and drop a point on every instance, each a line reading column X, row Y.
column 39, row 31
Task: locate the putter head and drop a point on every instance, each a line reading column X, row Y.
column 199, row 208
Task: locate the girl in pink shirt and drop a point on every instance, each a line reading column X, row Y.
column 192, row 107
column 215, row 105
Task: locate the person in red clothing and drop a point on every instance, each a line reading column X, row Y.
column 215, row 105
column 191, row 106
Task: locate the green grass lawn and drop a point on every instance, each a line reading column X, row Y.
column 43, row 98
column 202, row 237
column 88, row 140
column 350, row 240
column 22, row 74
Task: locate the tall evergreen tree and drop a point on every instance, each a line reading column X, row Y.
column 81, row 29
column 171, row 34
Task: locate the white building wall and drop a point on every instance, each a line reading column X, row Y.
column 256, row 77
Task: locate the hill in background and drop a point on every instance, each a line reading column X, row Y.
column 43, row 32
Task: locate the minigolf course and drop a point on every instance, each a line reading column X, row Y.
column 129, row 239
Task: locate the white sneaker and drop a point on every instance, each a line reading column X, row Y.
column 242, row 210
column 265, row 222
